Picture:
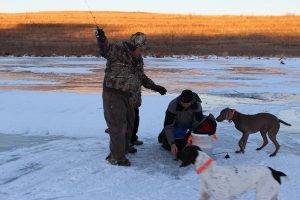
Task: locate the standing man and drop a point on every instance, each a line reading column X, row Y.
column 124, row 76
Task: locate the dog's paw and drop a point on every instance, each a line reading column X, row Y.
column 258, row 149
column 272, row 155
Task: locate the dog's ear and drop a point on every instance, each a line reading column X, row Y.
column 179, row 155
column 228, row 113
column 197, row 148
column 188, row 155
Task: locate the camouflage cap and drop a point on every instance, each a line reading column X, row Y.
column 138, row 39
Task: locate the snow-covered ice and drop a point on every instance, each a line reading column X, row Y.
column 64, row 70
column 53, row 145
column 26, row 82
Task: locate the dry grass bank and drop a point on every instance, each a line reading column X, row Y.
column 72, row 33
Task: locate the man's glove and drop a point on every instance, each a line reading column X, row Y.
column 100, row 35
column 160, row 89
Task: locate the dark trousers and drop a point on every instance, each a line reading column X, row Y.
column 134, row 136
column 119, row 116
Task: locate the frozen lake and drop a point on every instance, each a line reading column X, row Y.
column 209, row 75
column 52, row 140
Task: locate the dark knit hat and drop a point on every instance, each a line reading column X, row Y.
column 186, row 96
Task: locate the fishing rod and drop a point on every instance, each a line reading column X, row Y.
column 90, row 11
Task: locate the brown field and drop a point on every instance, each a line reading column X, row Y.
column 72, row 33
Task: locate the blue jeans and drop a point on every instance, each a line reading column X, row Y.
column 179, row 133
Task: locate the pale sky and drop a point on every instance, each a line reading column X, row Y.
column 204, row 7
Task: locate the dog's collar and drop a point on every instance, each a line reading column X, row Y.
column 205, row 166
column 232, row 115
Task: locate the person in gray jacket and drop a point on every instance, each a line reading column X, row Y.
column 184, row 114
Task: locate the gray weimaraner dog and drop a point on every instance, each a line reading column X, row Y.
column 247, row 124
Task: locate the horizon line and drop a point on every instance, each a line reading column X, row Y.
column 162, row 13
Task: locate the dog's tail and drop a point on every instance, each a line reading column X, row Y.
column 277, row 174
column 284, row 122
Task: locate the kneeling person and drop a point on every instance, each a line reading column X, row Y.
column 184, row 113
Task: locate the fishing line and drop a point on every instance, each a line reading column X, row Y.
column 93, row 16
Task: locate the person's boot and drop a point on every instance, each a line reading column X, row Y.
column 161, row 137
column 137, row 142
column 121, row 162
column 166, row 145
column 108, row 157
column 132, row 149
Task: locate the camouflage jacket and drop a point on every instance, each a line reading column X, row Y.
column 123, row 72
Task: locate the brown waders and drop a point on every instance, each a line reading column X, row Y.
column 119, row 116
